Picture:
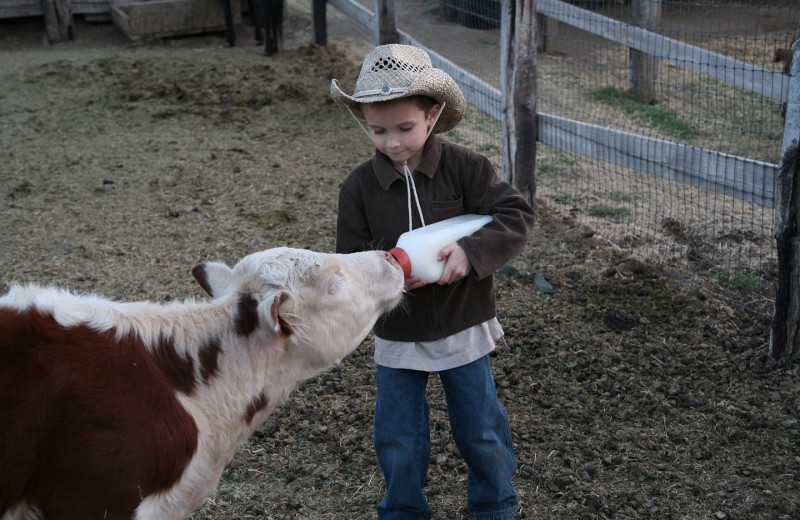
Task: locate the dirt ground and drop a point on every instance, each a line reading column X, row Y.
column 630, row 394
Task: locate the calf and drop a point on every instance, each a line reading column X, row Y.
column 115, row 410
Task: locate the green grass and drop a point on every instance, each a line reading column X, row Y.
column 648, row 114
column 487, row 149
column 556, row 163
column 604, row 211
column 565, row 199
column 455, row 137
column 484, row 122
column 739, row 281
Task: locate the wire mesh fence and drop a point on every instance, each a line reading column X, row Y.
column 726, row 233
column 675, row 165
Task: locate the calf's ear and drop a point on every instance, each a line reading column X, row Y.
column 276, row 316
column 213, row 277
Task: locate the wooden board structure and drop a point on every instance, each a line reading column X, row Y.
column 22, row 8
column 141, row 19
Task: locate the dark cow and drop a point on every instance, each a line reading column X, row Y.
column 267, row 16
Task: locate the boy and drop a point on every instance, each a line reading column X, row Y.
column 449, row 326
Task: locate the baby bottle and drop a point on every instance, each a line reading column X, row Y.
column 416, row 250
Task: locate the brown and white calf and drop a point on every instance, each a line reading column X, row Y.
column 114, row 410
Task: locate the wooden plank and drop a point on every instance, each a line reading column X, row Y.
column 24, row 8
column 58, row 23
column 91, row 6
column 121, row 19
column 738, row 177
column 765, row 82
column 21, row 8
column 162, row 18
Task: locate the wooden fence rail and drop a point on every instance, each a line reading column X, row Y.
column 738, row 177
column 22, row 8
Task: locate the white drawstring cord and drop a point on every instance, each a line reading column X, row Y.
column 410, row 182
column 411, row 185
column 364, row 128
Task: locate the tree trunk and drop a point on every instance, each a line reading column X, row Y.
column 784, row 341
column 518, row 76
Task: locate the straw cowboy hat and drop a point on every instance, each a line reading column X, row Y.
column 396, row 71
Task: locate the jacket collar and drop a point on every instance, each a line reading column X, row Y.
column 386, row 174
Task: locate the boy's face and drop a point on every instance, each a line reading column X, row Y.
column 399, row 129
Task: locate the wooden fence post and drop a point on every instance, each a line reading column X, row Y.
column 58, row 24
column 448, row 11
column 518, row 85
column 547, row 34
column 644, row 68
column 319, row 27
column 784, row 341
column 387, row 22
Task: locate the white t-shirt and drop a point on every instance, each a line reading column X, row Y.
column 434, row 356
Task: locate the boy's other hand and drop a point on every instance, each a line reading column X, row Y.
column 412, row 282
column 457, row 265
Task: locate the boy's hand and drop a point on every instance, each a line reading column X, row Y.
column 412, row 282
column 457, row 265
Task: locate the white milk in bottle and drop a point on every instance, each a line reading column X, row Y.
column 416, row 250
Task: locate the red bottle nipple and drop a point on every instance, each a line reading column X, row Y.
column 402, row 259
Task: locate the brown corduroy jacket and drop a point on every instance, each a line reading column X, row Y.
column 450, row 180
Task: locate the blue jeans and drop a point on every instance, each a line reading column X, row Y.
column 480, row 430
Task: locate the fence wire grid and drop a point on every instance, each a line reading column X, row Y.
column 714, row 217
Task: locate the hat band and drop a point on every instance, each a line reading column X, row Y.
column 383, row 91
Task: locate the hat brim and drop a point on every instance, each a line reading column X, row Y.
column 432, row 82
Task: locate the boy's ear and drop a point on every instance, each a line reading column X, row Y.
column 433, row 113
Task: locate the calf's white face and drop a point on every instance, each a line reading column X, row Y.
column 326, row 303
